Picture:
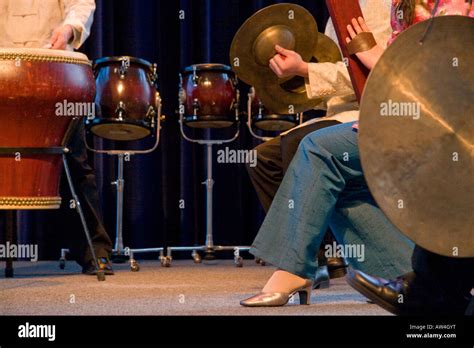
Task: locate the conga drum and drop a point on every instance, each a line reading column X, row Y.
column 267, row 120
column 126, row 99
column 41, row 92
column 208, row 96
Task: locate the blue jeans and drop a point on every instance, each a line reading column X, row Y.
column 325, row 186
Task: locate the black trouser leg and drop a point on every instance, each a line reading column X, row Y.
column 470, row 309
column 10, row 237
column 444, row 281
column 267, row 175
column 85, row 183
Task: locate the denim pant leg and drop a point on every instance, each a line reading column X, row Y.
column 298, row 218
column 385, row 251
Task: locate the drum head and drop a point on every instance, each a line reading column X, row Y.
column 275, row 123
column 119, row 59
column 43, row 55
column 209, row 67
column 120, row 131
column 208, row 121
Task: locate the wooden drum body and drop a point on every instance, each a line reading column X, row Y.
column 41, row 91
column 267, row 120
column 208, row 96
column 126, row 100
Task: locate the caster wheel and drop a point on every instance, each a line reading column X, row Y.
column 101, row 276
column 62, row 264
column 239, row 262
column 197, row 259
column 134, row 266
column 260, row 262
column 166, row 262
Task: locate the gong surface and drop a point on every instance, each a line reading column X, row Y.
column 417, row 135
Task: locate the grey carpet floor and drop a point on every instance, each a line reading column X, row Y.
column 183, row 289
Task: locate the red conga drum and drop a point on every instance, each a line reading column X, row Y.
column 126, row 98
column 267, row 120
column 41, row 91
column 209, row 96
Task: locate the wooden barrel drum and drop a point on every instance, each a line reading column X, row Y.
column 41, row 91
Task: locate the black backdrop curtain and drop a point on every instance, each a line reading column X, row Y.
column 155, row 183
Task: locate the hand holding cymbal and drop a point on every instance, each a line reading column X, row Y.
column 288, row 63
column 256, row 61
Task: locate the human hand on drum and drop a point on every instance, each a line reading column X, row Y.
column 288, row 63
column 61, row 37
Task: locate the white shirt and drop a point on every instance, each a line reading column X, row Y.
column 331, row 81
column 30, row 23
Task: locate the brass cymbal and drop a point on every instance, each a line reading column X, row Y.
column 288, row 25
column 326, row 50
column 417, row 135
column 289, row 96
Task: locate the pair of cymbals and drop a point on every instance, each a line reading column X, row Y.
column 292, row 27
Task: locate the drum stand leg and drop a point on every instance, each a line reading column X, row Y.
column 118, row 255
column 209, row 248
column 10, row 221
column 209, row 204
column 100, row 271
column 121, row 254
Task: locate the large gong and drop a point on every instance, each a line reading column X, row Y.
column 417, row 134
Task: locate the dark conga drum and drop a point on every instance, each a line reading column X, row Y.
column 267, row 120
column 208, row 96
column 41, row 91
column 126, row 100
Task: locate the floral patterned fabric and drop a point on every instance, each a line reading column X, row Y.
column 423, row 11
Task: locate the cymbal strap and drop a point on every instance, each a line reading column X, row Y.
column 361, row 43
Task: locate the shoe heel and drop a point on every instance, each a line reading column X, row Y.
column 324, row 284
column 305, row 296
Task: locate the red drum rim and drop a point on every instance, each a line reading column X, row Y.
column 117, row 59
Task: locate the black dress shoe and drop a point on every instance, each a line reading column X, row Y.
column 328, row 268
column 387, row 294
column 408, row 295
column 321, row 280
column 337, row 267
column 405, row 295
column 104, row 264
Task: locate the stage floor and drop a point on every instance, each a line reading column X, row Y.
column 184, row 289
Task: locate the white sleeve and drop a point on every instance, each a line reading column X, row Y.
column 328, row 80
column 80, row 15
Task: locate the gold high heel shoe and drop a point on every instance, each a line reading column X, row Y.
column 276, row 299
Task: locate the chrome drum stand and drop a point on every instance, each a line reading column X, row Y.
column 209, row 248
column 120, row 254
